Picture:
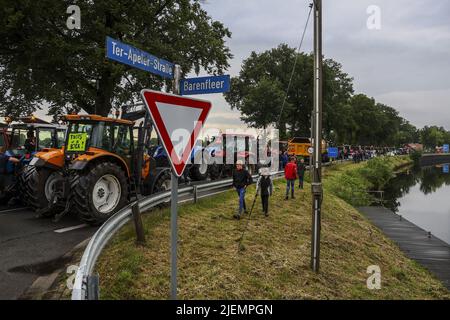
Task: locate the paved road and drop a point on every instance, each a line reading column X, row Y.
column 31, row 247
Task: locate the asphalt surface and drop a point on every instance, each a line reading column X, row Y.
column 32, row 247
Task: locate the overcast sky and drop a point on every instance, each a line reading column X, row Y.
column 406, row 64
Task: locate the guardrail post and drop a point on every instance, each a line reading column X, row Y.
column 93, row 287
column 195, row 194
column 140, row 235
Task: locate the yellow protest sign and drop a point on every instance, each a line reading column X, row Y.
column 77, row 142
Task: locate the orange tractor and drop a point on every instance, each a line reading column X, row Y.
column 103, row 165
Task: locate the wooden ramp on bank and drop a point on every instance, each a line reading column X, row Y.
column 429, row 251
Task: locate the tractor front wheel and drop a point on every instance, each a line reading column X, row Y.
column 39, row 185
column 99, row 192
column 163, row 183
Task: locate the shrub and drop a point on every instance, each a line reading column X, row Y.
column 351, row 187
column 378, row 172
column 415, row 156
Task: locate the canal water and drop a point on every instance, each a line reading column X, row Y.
column 422, row 196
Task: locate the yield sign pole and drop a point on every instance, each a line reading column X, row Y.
column 178, row 121
column 174, row 208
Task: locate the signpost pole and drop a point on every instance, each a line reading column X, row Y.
column 170, row 113
column 174, row 235
column 316, row 186
column 174, row 207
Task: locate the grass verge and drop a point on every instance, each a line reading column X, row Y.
column 275, row 261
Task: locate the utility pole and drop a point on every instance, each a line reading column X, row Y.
column 174, row 207
column 316, row 185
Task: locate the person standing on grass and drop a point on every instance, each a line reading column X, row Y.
column 301, row 168
column 290, row 173
column 241, row 180
column 284, row 159
column 265, row 187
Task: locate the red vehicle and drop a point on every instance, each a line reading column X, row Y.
column 228, row 148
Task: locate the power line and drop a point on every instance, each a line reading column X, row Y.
column 295, row 62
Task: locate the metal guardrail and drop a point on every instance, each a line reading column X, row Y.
column 84, row 277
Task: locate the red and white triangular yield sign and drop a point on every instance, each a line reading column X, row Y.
column 178, row 121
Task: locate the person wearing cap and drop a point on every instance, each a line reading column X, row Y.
column 265, row 187
column 241, row 179
column 30, row 142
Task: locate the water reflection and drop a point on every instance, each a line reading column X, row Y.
column 422, row 195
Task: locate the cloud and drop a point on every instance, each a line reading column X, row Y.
column 421, row 107
column 405, row 64
column 405, row 61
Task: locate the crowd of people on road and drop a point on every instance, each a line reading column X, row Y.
column 359, row 155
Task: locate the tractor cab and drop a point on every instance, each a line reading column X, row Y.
column 4, row 137
column 226, row 149
column 24, row 140
column 92, row 136
column 29, row 138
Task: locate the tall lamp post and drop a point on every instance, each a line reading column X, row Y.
column 316, row 185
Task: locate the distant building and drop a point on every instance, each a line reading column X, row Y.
column 414, row 146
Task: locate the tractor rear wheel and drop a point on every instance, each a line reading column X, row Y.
column 215, row 171
column 99, row 192
column 38, row 186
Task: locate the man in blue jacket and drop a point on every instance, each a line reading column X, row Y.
column 241, row 180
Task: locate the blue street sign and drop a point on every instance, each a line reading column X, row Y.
column 124, row 53
column 333, row 152
column 202, row 85
column 445, row 148
column 445, row 168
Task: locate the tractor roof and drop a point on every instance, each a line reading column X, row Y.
column 37, row 125
column 94, row 117
column 33, row 119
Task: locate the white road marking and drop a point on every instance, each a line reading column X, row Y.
column 12, row 210
column 71, row 228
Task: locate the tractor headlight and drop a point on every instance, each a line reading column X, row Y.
column 37, row 162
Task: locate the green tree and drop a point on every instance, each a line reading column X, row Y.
column 42, row 61
column 407, row 133
column 276, row 64
column 433, row 136
column 262, row 105
column 366, row 122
